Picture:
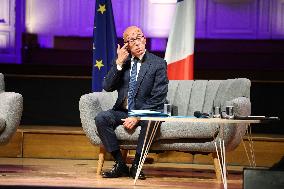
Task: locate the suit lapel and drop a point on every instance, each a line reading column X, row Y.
column 145, row 65
column 127, row 71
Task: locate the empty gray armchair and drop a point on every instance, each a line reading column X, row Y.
column 188, row 96
column 11, row 107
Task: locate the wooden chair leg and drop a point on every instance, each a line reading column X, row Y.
column 217, row 167
column 101, row 160
column 124, row 155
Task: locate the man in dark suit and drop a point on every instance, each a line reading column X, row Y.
column 140, row 79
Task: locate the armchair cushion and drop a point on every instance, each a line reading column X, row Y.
column 170, row 130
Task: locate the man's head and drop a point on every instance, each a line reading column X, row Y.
column 135, row 39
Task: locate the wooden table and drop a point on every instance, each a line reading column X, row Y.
column 158, row 120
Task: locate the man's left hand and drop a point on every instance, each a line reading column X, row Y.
column 130, row 122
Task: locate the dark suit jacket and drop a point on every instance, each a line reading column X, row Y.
column 152, row 83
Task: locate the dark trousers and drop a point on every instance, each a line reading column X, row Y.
column 107, row 121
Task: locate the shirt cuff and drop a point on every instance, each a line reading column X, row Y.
column 118, row 67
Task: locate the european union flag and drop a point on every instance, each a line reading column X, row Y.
column 104, row 42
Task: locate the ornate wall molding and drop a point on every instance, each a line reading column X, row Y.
column 7, row 37
column 240, row 19
column 232, row 19
column 4, row 42
column 264, row 19
column 125, row 14
column 85, row 18
column 278, row 19
column 201, row 14
column 11, row 30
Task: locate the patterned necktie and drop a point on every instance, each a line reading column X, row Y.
column 132, row 85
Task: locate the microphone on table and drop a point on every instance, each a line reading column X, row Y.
column 199, row 114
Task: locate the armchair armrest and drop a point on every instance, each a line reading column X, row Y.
column 2, row 84
column 11, row 107
column 235, row 132
column 242, row 106
column 90, row 105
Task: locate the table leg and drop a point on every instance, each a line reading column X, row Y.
column 251, row 156
column 146, row 146
column 222, row 157
column 156, row 125
column 251, row 147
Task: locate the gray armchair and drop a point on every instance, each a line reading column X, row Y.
column 188, row 96
column 11, row 107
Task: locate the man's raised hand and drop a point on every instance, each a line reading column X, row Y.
column 122, row 54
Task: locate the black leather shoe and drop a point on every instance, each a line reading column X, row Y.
column 133, row 171
column 119, row 169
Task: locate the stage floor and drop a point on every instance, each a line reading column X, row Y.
column 68, row 173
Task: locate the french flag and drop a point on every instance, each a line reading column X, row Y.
column 180, row 46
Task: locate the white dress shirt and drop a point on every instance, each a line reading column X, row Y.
column 125, row 103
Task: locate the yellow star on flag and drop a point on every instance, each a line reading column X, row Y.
column 102, row 8
column 99, row 64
